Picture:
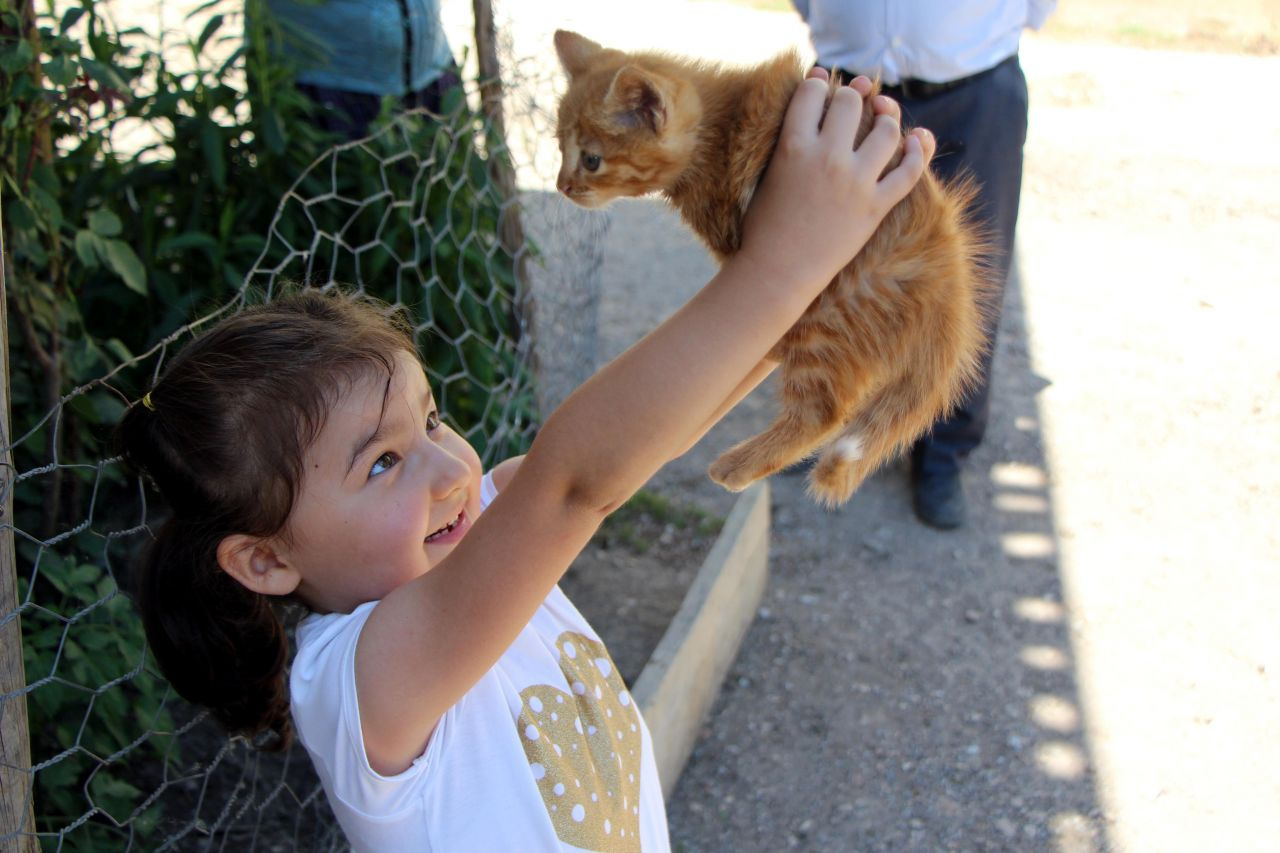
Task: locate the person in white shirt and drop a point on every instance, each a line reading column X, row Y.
column 953, row 66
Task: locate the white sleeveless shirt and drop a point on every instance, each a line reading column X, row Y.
column 546, row 752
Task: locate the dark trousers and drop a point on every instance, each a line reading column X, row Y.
column 981, row 126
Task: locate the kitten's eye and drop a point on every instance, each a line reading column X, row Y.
column 590, row 162
column 382, row 464
column 433, row 421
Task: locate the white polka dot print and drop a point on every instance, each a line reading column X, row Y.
column 585, row 771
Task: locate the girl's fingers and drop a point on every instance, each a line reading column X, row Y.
column 805, row 110
column 861, row 85
column 883, row 105
column 894, row 186
column 841, row 123
column 817, row 72
column 928, row 142
column 882, row 142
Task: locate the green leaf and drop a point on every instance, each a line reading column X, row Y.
column 11, row 117
column 187, row 240
column 16, row 56
column 108, row 409
column 104, row 74
column 70, row 17
column 89, row 248
column 273, row 133
column 122, row 259
column 95, row 641
column 211, row 142
column 85, row 573
column 114, row 796
column 251, row 243
column 117, row 348
column 203, row 7
column 28, row 247
column 166, row 104
column 45, row 203
column 208, row 31
column 19, row 215
column 230, row 62
column 47, row 177
column 104, row 223
column 61, row 70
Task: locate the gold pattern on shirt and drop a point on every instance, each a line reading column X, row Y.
column 584, row 749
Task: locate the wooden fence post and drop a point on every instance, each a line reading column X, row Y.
column 17, row 812
column 510, row 228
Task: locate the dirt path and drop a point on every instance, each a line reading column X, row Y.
column 1093, row 663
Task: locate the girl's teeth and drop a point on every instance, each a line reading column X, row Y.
column 446, row 529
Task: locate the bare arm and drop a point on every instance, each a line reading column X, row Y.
column 748, row 384
column 430, row 640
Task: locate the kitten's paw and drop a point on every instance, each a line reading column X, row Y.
column 834, row 479
column 731, row 473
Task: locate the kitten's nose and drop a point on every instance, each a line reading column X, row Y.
column 564, row 184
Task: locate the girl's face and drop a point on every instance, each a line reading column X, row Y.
column 387, row 492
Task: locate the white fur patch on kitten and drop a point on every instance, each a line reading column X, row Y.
column 849, row 448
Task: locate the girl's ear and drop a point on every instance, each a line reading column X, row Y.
column 637, row 98
column 256, row 565
column 575, row 51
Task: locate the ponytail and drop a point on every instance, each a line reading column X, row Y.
column 220, row 644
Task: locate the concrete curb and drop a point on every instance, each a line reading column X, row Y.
column 679, row 683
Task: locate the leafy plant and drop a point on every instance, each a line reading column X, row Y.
column 113, row 245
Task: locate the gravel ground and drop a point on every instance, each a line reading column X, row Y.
column 1091, row 664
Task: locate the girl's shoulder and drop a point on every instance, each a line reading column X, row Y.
column 502, row 473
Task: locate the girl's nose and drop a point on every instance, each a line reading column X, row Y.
column 446, row 472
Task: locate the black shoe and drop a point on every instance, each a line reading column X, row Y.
column 939, row 499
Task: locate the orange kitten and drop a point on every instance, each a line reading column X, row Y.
column 893, row 341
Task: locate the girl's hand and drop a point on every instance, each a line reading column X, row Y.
column 821, row 198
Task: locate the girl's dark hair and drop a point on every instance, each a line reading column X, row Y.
column 222, row 435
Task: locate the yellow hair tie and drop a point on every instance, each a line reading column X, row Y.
column 146, row 401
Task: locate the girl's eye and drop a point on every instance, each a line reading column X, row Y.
column 383, row 464
column 433, row 420
column 590, row 162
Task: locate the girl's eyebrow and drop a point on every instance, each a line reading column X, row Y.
column 363, row 444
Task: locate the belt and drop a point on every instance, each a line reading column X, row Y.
column 912, row 89
column 921, row 90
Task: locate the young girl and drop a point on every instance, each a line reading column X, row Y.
column 449, row 694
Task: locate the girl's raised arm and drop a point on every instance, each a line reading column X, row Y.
column 430, row 640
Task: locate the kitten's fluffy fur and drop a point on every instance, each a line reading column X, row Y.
column 892, row 342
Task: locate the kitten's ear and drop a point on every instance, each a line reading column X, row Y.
column 638, row 99
column 575, row 51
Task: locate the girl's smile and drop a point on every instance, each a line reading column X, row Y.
column 452, row 532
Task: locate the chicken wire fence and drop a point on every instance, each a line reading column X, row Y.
column 501, row 280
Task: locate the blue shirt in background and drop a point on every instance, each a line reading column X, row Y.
column 360, row 45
